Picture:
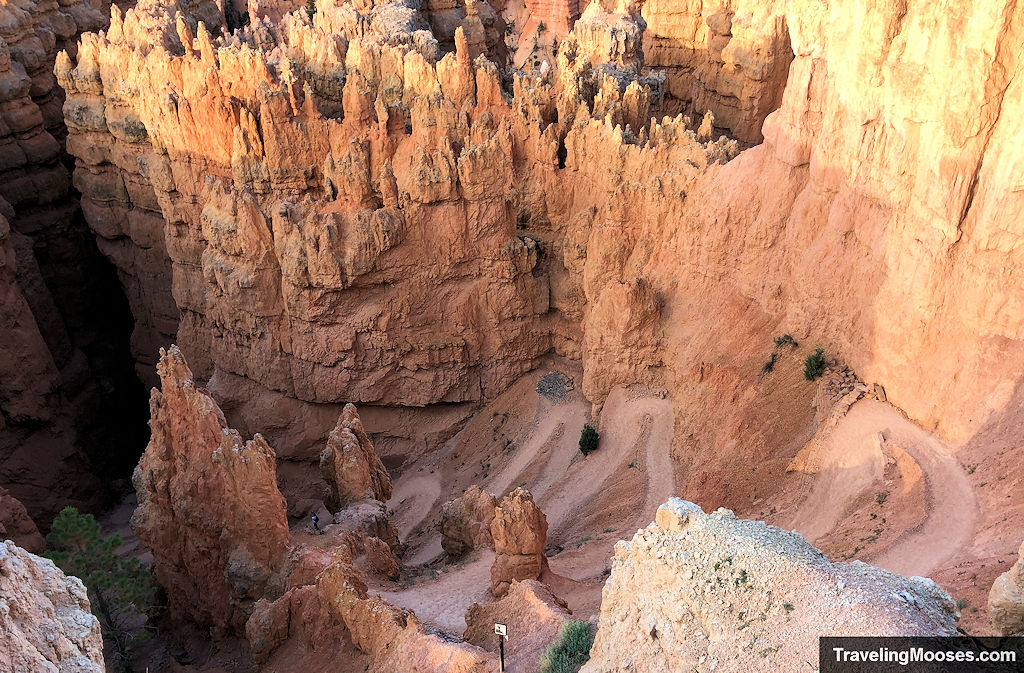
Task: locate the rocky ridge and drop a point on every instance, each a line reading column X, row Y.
column 45, row 622
column 694, row 588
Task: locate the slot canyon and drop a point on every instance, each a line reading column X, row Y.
column 692, row 328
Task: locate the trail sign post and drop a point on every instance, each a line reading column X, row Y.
column 502, row 630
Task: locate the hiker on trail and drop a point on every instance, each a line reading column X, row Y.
column 316, row 525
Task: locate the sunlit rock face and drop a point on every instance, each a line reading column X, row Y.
column 351, row 213
column 695, row 587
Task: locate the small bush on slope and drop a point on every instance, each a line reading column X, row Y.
column 815, row 365
column 570, row 651
column 588, row 439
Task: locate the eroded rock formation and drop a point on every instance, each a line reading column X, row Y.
column 466, row 521
column 1006, row 600
column 519, row 531
column 45, row 623
column 533, row 615
column 394, row 639
column 349, row 465
column 15, row 524
column 695, row 587
column 209, row 507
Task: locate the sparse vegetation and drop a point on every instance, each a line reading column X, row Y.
column 311, row 9
column 961, row 603
column 786, row 339
column 881, row 497
column 588, row 439
column 815, row 365
column 541, row 27
column 122, row 592
column 570, row 651
column 769, row 366
column 788, row 607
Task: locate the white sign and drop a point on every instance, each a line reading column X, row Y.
column 501, row 629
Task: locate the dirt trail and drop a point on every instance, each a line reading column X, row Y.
column 631, row 425
column 628, row 424
column 849, row 463
column 443, row 601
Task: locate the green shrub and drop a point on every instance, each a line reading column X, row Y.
column 311, row 9
column 121, row 591
column 815, row 365
column 570, row 651
column 588, row 439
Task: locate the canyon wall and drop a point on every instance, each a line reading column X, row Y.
column 69, row 399
column 349, row 217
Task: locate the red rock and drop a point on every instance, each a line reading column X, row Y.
column 519, row 530
column 350, row 466
column 15, row 524
column 209, row 507
column 466, row 521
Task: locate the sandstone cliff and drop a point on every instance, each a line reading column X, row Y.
column 45, row 623
column 209, row 507
column 696, row 587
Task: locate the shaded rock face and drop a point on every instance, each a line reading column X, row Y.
column 1006, row 600
column 695, row 587
column 70, row 404
column 466, row 521
column 209, row 507
column 15, row 524
column 45, row 624
column 534, row 617
column 349, row 465
column 519, row 531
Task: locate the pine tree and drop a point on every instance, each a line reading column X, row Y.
column 311, row 8
column 588, row 439
column 122, row 591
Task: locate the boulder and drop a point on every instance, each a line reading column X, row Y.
column 45, row 620
column 466, row 521
column 1006, row 600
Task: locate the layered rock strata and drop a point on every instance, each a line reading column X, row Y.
column 340, row 163
column 696, row 587
column 82, row 414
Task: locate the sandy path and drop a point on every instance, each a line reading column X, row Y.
column 623, row 422
column 630, row 425
column 412, row 499
column 849, row 465
column 443, row 601
column 554, row 430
